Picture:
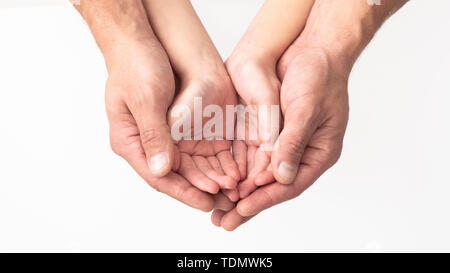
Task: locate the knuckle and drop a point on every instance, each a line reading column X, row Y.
column 328, row 159
column 312, row 114
column 295, row 145
column 325, row 162
column 138, row 100
column 150, row 135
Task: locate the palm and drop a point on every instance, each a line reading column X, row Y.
column 308, row 82
column 126, row 141
column 138, row 95
column 258, row 86
column 207, row 164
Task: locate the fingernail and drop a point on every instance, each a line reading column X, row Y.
column 158, row 163
column 287, row 171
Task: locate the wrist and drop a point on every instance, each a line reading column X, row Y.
column 120, row 53
column 351, row 31
column 116, row 22
column 344, row 28
column 248, row 53
column 341, row 50
column 207, row 64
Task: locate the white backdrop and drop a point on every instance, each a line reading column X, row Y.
column 61, row 187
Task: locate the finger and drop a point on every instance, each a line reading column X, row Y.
column 228, row 164
column 189, row 170
column 224, row 181
column 276, row 193
column 217, row 216
column 232, row 220
column 263, row 198
column 176, row 159
column 215, row 164
column 240, row 157
column 154, row 133
column 264, row 178
column 179, row 188
column 247, row 187
column 222, row 202
column 233, row 194
column 172, row 184
column 132, row 151
column 292, row 142
column 251, row 151
column 260, row 164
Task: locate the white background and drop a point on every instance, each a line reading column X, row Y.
column 61, row 187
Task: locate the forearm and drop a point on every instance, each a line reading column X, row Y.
column 344, row 28
column 183, row 36
column 274, row 28
column 115, row 22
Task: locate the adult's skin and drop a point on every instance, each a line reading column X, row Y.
column 253, row 69
column 139, row 91
column 207, row 164
column 314, row 72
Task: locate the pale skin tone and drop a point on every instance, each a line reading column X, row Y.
column 314, row 73
column 308, row 79
column 252, row 67
column 195, row 58
column 209, row 165
column 139, row 91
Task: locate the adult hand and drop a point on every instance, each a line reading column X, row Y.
column 206, row 159
column 139, row 91
column 257, row 84
column 204, row 91
column 314, row 72
column 314, row 103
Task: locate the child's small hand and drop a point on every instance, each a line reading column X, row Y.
column 207, row 164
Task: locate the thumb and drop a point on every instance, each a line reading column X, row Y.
column 155, row 136
column 291, row 144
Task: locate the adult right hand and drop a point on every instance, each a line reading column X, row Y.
column 314, row 103
column 139, row 91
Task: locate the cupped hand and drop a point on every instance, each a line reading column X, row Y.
column 314, row 103
column 257, row 84
column 206, row 161
column 139, row 91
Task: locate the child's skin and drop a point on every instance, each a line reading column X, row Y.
column 314, row 99
column 252, row 68
column 201, row 73
column 274, row 28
